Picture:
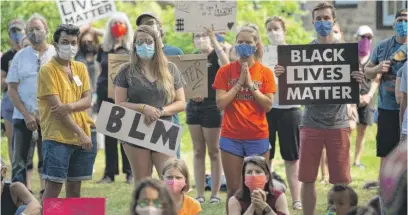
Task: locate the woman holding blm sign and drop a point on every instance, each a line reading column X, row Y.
column 150, row 85
column 244, row 91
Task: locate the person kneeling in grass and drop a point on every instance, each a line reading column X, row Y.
column 16, row 198
column 175, row 174
column 257, row 194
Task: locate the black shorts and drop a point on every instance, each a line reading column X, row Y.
column 388, row 132
column 203, row 113
column 286, row 123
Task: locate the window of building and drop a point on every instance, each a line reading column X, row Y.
column 346, row 3
column 386, row 11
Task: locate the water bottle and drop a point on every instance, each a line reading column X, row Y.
column 35, row 133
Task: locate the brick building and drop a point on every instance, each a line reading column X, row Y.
column 350, row 14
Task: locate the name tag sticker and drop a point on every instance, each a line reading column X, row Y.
column 77, row 81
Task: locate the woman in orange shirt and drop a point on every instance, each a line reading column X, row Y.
column 244, row 91
column 175, row 174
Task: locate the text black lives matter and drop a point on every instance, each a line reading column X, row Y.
column 318, row 74
column 78, row 11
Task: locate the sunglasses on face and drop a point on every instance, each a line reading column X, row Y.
column 146, row 41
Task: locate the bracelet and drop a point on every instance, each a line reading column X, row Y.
column 143, row 108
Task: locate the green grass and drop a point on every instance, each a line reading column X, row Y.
column 118, row 195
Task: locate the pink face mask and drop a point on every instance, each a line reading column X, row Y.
column 364, row 47
column 175, row 186
column 255, row 182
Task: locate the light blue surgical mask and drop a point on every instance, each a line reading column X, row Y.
column 323, row 28
column 401, row 28
column 244, row 50
column 145, row 51
column 16, row 37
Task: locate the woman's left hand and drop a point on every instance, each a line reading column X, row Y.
column 248, row 81
column 258, row 198
column 210, row 32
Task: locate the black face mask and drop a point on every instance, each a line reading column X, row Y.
column 88, row 48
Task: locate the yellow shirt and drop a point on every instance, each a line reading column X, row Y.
column 190, row 206
column 53, row 80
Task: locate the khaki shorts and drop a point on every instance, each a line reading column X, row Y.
column 337, row 144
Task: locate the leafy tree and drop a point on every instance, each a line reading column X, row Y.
column 248, row 11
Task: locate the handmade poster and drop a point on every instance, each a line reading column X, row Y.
column 128, row 125
column 194, row 68
column 74, row 206
column 81, row 12
column 115, row 62
column 193, row 16
column 318, row 74
column 270, row 59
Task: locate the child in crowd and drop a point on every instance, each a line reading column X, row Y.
column 175, row 174
column 151, row 197
column 341, row 198
column 257, row 194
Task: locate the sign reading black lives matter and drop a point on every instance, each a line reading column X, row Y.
column 318, row 74
column 128, row 125
column 81, row 12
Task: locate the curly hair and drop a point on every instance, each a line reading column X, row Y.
column 69, row 29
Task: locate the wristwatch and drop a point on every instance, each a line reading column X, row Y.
column 267, row 210
column 253, row 88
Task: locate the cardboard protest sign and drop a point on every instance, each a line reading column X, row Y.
column 193, row 16
column 72, row 206
column 115, row 62
column 270, row 59
column 194, row 68
column 318, row 74
column 81, row 12
column 128, row 125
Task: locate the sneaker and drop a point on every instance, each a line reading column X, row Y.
column 105, row 180
column 361, row 166
column 129, row 179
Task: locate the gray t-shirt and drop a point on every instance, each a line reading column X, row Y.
column 325, row 115
column 140, row 90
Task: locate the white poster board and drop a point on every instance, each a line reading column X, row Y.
column 193, row 16
column 270, row 59
column 81, row 12
column 128, row 125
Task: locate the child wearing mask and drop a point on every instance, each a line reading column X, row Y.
column 151, row 197
column 340, row 199
column 257, row 194
column 175, row 175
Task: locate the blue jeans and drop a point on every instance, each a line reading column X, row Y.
column 176, row 120
column 64, row 162
column 23, row 149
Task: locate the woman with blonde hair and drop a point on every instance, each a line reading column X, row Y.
column 244, row 91
column 150, row 85
column 117, row 39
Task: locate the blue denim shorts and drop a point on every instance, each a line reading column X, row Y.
column 244, row 148
column 63, row 162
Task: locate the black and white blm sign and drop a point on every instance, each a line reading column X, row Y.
column 81, row 12
column 128, row 125
column 318, row 74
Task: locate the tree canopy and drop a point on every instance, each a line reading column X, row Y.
column 254, row 12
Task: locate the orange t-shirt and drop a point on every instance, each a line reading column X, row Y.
column 244, row 118
column 190, row 206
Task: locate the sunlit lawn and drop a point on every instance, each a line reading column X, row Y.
column 118, row 195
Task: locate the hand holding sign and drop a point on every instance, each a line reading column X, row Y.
column 358, row 75
column 279, row 70
column 210, row 32
column 198, row 99
column 151, row 114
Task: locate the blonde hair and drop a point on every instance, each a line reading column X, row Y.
column 254, row 31
column 159, row 65
column 108, row 39
column 181, row 166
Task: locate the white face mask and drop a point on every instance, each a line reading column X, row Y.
column 276, row 37
column 149, row 210
column 67, row 52
column 202, row 43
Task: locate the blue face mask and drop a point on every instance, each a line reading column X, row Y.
column 220, row 38
column 145, row 51
column 323, row 28
column 16, row 37
column 244, row 50
column 401, row 29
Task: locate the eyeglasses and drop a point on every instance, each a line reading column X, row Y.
column 146, row 41
column 145, row 203
column 151, row 22
column 90, row 42
column 364, row 36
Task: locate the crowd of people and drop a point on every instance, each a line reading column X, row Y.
column 51, row 92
